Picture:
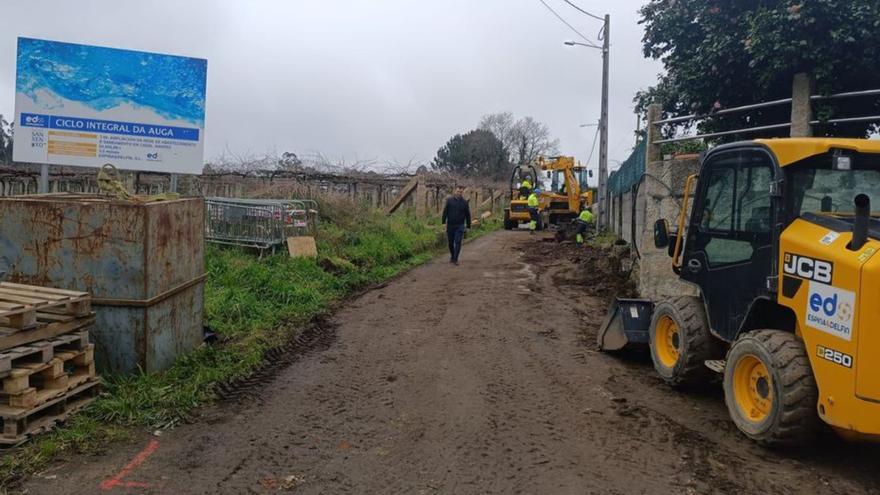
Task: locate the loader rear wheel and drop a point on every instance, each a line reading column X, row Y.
column 508, row 223
column 681, row 343
column 769, row 388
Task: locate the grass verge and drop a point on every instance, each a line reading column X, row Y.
column 254, row 305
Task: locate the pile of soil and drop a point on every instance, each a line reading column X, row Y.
column 595, row 270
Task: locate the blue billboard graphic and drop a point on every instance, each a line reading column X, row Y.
column 88, row 105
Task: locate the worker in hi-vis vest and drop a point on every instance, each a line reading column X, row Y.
column 525, row 189
column 533, row 210
column 584, row 221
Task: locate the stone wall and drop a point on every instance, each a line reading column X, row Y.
column 663, row 188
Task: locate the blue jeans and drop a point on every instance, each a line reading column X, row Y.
column 454, row 233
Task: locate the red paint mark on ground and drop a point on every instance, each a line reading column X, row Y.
column 139, row 459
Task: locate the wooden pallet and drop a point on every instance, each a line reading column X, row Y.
column 30, row 384
column 64, row 325
column 20, row 305
column 79, row 366
column 42, row 351
column 20, row 424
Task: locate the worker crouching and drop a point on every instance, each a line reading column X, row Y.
column 584, row 222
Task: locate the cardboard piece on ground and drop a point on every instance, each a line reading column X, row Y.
column 485, row 215
column 302, row 246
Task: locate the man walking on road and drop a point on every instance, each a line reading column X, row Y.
column 457, row 219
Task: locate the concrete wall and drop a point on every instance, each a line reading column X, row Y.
column 659, row 196
column 621, row 213
column 664, row 191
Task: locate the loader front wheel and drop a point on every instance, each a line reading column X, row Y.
column 681, row 343
column 769, row 388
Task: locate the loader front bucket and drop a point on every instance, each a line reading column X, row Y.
column 628, row 324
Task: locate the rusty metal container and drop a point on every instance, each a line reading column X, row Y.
column 143, row 262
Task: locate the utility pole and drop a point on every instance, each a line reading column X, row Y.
column 602, row 207
column 603, row 130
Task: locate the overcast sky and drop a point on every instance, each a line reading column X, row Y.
column 365, row 79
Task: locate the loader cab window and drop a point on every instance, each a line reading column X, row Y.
column 557, row 184
column 815, row 187
column 729, row 251
column 735, row 214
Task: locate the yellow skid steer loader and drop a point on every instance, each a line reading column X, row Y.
column 782, row 245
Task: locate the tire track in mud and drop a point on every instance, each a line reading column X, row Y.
column 319, row 335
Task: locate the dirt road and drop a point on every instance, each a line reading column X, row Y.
column 481, row 378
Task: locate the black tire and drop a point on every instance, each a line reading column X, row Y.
column 792, row 417
column 695, row 344
column 508, row 223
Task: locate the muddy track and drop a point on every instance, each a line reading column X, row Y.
column 317, row 336
column 482, row 378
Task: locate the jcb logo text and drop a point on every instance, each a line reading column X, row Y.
column 808, row 268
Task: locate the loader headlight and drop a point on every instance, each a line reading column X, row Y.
column 842, row 162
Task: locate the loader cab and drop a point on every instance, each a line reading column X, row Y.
column 518, row 177
column 731, row 239
column 742, row 204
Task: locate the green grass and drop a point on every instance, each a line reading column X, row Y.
column 603, row 239
column 254, row 305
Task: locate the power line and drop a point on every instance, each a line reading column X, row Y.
column 594, row 16
column 561, row 19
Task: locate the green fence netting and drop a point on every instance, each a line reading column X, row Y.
column 630, row 172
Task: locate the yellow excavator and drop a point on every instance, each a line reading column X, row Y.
column 781, row 244
column 566, row 197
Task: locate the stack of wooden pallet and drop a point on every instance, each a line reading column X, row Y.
column 47, row 365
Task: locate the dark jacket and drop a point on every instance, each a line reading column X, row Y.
column 457, row 212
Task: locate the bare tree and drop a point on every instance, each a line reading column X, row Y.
column 247, row 163
column 338, row 165
column 524, row 140
column 502, row 125
column 397, row 167
column 532, row 139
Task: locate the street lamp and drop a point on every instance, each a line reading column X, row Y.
column 578, row 43
column 603, row 121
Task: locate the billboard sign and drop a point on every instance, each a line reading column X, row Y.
column 87, row 106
